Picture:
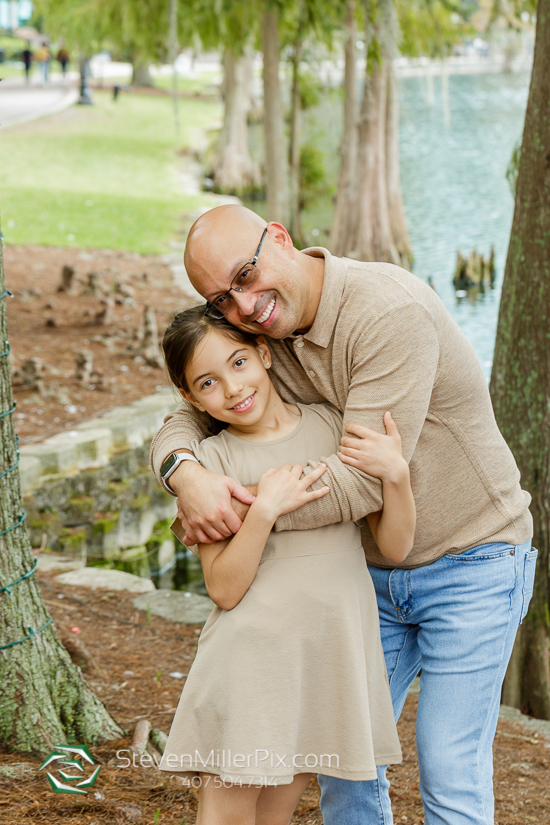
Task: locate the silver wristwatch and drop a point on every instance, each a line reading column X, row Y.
column 171, row 465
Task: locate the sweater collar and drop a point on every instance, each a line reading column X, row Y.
column 322, row 329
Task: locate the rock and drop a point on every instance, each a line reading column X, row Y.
column 150, row 349
column 107, row 579
column 159, row 739
column 127, row 812
column 105, row 315
column 124, row 293
column 52, row 321
column 95, row 285
column 79, row 653
column 176, row 606
column 67, row 278
column 33, row 371
column 84, row 366
column 17, row 770
column 57, row 561
column 141, row 736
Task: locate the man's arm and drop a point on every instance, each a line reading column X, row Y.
column 195, row 486
column 180, row 429
column 395, row 362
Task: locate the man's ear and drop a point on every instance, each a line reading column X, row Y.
column 278, row 233
column 188, row 396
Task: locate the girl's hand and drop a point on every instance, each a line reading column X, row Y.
column 283, row 490
column 373, row 453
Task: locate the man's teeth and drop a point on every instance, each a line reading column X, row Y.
column 242, row 404
column 267, row 312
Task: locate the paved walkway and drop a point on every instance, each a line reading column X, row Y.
column 20, row 103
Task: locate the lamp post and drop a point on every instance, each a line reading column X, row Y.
column 85, row 94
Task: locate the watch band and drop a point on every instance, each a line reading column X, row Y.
column 178, row 459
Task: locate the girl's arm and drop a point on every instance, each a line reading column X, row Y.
column 380, row 456
column 230, row 566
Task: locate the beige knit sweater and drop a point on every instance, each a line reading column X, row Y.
column 382, row 340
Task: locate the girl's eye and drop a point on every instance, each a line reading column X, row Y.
column 206, row 384
column 239, row 362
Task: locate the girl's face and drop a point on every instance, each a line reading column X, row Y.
column 229, row 380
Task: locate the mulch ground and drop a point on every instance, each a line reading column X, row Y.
column 56, row 326
column 132, row 678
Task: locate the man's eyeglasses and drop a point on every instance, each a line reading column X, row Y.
column 243, row 281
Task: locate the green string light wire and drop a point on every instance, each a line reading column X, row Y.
column 15, row 526
column 7, row 587
column 32, row 633
column 9, row 412
column 14, row 466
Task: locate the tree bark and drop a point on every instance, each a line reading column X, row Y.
column 234, row 170
column 520, row 381
column 44, row 698
column 398, row 221
column 339, row 240
column 294, row 153
column 274, row 124
column 369, row 219
column 374, row 240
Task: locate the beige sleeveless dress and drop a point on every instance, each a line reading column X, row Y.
column 293, row 679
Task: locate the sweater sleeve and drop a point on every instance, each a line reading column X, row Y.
column 394, row 366
column 181, row 429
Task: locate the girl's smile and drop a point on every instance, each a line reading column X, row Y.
column 246, row 405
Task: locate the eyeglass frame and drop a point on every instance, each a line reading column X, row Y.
column 253, row 262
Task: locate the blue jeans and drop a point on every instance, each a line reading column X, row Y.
column 455, row 619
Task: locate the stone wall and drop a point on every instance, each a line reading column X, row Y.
column 91, row 493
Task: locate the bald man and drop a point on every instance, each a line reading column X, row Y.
column 366, row 338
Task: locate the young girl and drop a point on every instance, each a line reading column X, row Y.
column 289, row 677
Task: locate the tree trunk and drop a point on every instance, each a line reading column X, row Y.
column 295, row 227
column 274, row 124
column 140, row 73
column 398, row 221
column 520, row 381
column 339, row 241
column 44, row 699
column 234, row 170
column 373, row 240
column 369, row 220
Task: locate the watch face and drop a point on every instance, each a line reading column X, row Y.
column 168, row 464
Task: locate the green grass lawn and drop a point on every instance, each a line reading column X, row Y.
column 204, row 84
column 102, row 176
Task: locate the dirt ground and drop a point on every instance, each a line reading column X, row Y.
column 55, row 326
column 132, row 677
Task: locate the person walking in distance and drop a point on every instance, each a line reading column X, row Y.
column 26, row 57
column 43, row 57
column 62, row 58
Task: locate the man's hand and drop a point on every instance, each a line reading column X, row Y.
column 204, row 503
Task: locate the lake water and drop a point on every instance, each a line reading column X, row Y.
column 456, row 194
column 454, row 149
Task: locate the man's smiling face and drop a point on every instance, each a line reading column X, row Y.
column 221, row 242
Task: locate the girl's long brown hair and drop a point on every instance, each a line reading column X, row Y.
column 181, row 340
